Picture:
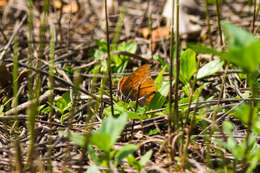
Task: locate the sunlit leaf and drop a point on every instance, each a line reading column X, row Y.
column 124, row 152
column 210, row 68
column 237, row 37
column 187, row 65
column 111, row 128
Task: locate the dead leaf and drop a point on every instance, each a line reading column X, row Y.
column 162, row 32
column 3, row 3
column 57, row 4
column 145, row 32
column 68, row 8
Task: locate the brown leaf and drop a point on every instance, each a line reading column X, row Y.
column 162, row 32
column 145, row 32
column 69, row 8
column 3, row 3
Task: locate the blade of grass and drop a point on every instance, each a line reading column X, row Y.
column 17, row 147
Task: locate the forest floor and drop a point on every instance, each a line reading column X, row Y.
column 55, row 133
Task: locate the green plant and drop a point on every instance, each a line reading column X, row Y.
column 138, row 164
column 118, row 62
column 62, row 106
column 2, row 106
column 102, row 141
column 239, row 149
column 188, row 65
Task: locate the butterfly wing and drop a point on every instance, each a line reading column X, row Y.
column 140, row 80
column 147, row 89
column 132, row 82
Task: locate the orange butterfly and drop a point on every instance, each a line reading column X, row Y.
column 138, row 86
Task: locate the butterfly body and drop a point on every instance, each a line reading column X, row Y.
column 138, row 86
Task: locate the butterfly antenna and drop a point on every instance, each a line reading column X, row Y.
column 146, row 96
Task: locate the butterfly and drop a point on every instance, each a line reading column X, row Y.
column 138, row 86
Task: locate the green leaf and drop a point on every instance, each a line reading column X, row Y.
column 254, row 161
column 93, row 156
column 210, row 68
column 92, row 169
column 153, row 132
column 237, row 37
column 128, row 46
column 202, row 49
column 146, row 157
column 63, row 104
column 162, row 62
column 101, row 140
column 247, row 57
column 187, row 65
column 122, row 108
column 159, row 79
column 76, row 138
column 124, row 152
column 242, row 113
column 227, row 127
column 160, row 96
column 133, row 162
column 1, row 109
column 110, row 130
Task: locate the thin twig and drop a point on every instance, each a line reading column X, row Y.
column 219, row 26
column 254, row 17
column 28, row 104
column 12, row 38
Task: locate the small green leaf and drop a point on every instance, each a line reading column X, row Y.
column 101, row 140
column 124, row 152
column 187, row 65
column 128, row 46
column 146, row 157
column 160, row 97
column 111, row 128
column 162, row 62
column 1, row 109
column 210, row 68
column 254, row 161
column 120, row 108
column 93, row 155
column 153, row 132
column 76, row 138
column 159, row 79
column 133, row 162
column 92, row 169
column 242, row 113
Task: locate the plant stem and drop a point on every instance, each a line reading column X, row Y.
column 219, row 26
column 109, row 61
column 170, row 117
column 208, row 22
column 177, row 63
